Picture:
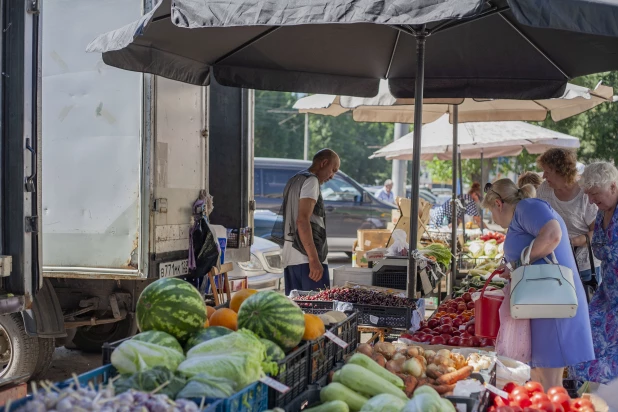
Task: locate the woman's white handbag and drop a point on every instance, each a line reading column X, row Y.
column 542, row 291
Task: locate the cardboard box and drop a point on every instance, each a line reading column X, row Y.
column 369, row 239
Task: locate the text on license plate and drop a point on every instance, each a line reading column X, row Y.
column 176, row 268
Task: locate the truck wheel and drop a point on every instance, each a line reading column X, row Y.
column 19, row 353
column 47, row 347
column 92, row 338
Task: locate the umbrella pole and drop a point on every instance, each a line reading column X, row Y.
column 463, row 227
column 449, row 287
column 482, row 186
column 416, row 159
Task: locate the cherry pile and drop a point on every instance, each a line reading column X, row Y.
column 360, row 296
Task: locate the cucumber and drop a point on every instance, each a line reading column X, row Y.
column 372, row 366
column 332, row 406
column 337, row 392
column 367, row 383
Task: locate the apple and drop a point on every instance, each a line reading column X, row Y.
column 466, row 342
column 446, row 337
column 458, row 322
column 444, row 329
column 467, row 297
column 446, row 320
column 470, row 329
column 486, row 342
column 470, row 305
column 475, row 341
column 433, row 323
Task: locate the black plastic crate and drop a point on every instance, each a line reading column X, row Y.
column 485, row 397
column 316, row 307
column 294, row 373
column 385, row 316
column 322, row 358
column 348, row 332
column 391, row 280
column 108, row 348
column 572, row 386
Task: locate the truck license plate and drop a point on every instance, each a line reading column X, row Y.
column 176, row 268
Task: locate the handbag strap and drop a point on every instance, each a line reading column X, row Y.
column 525, row 256
column 494, row 273
column 590, row 256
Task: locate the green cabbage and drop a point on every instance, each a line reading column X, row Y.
column 138, row 356
column 476, row 249
column 243, row 342
column 150, row 380
column 205, row 385
column 241, row 368
column 384, row 403
column 424, row 402
column 491, row 250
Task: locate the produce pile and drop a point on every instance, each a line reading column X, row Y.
column 439, row 253
column 474, row 283
column 532, row 397
column 452, row 325
column 484, row 250
column 103, row 399
column 361, row 296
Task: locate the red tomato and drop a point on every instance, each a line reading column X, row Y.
column 472, row 290
column 457, row 322
column 446, row 337
column 579, row 404
column 558, row 407
column 498, row 401
column 539, row 397
column 556, row 390
column 534, row 387
column 560, row 398
column 446, row 320
column 544, row 406
column 508, row 388
column 518, row 390
column 521, row 399
column 467, row 297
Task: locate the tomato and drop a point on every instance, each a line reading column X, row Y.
column 470, row 329
column 472, row 290
column 470, row 305
column 498, row 401
column 556, row 390
column 467, row 297
column 508, row 388
column 518, row 390
column 544, row 406
column 560, row 398
column 539, row 397
column 580, row 404
column 458, row 321
column 486, row 342
column 558, row 407
column 454, row 341
column 433, row 323
column 534, row 387
column 521, row 399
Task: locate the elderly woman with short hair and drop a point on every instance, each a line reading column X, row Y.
column 600, row 182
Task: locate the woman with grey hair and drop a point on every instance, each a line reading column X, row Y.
column 600, row 182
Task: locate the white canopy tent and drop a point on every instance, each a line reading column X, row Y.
column 477, row 140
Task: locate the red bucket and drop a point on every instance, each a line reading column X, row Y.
column 486, row 313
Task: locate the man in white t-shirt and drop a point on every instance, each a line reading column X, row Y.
column 303, row 233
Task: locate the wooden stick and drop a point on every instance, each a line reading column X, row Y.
column 158, row 388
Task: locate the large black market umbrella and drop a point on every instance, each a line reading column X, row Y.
column 512, row 49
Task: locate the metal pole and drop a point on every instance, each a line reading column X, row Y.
column 463, row 227
column 482, row 187
column 306, row 153
column 453, row 279
column 399, row 166
column 416, row 159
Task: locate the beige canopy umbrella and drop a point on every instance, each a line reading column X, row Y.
column 385, row 108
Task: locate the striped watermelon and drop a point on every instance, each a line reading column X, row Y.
column 159, row 338
column 273, row 316
column 207, row 334
column 173, row 306
column 273, row 352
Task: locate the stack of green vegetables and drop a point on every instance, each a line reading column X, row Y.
column 440, row 252
column 363, row 385
column 216, row 367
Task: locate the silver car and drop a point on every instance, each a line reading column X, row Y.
column 264, row 270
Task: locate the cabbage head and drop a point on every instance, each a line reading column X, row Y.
column 491, row 250
column 476, row 249
column 241, row 368
column 384, row 403
column 137, row 356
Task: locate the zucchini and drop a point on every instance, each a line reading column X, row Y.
column 372, row 366
column 366, row 382
column 337, row 392
column 332, row 406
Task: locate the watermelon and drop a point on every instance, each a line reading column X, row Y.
column 159, row 338
column 206, row 334
column 273, row 352
column 273, row 316
column 173, row 306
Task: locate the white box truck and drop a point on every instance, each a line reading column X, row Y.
column 100, row 168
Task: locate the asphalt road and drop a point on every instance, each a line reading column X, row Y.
column 68, row 361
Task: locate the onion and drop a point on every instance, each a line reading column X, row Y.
column 365, row 349
column 399, row 357
column 386, row 349
column 394, row 366
column 413, row 367
column 380, row 359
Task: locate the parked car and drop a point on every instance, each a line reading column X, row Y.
column 264, row 270
column 349, row 206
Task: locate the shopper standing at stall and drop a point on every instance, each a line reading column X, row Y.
column 301, row 229
column 556, row 343
column 600, row 182
column 470, row 206
column 561, row 191
column 386, row 193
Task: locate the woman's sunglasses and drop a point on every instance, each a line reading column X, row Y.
column 488, row 187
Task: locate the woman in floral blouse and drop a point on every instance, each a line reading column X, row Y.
column 600, row 182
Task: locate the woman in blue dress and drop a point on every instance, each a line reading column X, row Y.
column 599, row 182
column 556, row 343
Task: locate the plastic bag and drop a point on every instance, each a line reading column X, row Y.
column 514, row 338
column 509, row 370
column 400, row 244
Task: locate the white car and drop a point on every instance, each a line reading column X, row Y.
column 264, row 270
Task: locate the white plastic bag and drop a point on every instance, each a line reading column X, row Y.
column 400, row 244
column 514, row 338
column 510, row 370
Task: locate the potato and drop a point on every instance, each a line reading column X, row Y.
column 380, row 359
column 365, row 349
column 386, row 349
